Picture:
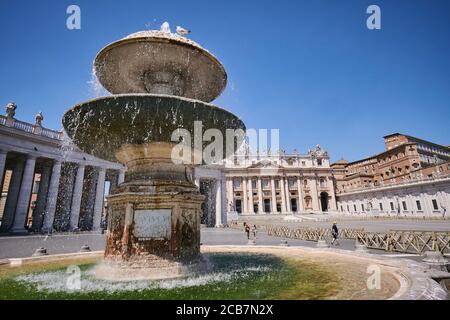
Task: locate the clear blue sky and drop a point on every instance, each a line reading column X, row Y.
column 310, row 68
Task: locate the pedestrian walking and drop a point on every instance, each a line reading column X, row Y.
column 335, row 234
column 254, row 230
column 247, row 231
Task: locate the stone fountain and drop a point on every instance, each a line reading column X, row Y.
column 160, row 82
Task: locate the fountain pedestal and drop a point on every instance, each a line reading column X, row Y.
column 162, row 222
column 153, row 217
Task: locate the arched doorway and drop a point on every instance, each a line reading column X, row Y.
column 324, row 201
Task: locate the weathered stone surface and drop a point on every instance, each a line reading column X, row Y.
column 102, row 126
column 184, row 238
column 161, row 63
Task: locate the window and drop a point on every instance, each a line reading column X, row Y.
column 305, row 183
column 362, row 207
column 319, row 162
column 435, row 205
column 265, row 183
column 404, row 205
column 392, row 206
column 354, row 207
column 237, row 183
column 291, row 183
column 267, row 205
column 322, row 183
column 294, row 205
column 348, row 208
column 419, row 206
column 255, row 208
column 381, row 206
column 254, row 184
column 277, row 184
column 278, row 207
column 238, row 206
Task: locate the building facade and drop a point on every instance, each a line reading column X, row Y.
column 47, row 183
column 411, row 177
column 280, row 184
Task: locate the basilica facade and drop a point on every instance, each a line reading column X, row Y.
column 280, row 184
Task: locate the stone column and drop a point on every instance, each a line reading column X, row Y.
column 76, row 198
column 52, row 196
column 23, row 202
column 218, row 222
column 260, row 196
column 39, row 210
column 288, row 195
column 333, row 205
column 300, row 207
column 446, row 195
column 429, row 203
column 223, row 218
column 88, row 199
column 244, row 195
column 121, row 177
column 283, row 195
column 250, row 199
column 411, row 204
column 230, row 195
column 314, row 195
column 274, row 195
column 98, row 208
column 13, row 194
column 3, row 155
column 386, row 204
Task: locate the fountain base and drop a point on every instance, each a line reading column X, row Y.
column 156, row 211
column 148, row 267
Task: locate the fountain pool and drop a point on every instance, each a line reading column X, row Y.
column 236, row 272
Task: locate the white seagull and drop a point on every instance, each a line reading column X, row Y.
column 165, row 27
column 182, row 31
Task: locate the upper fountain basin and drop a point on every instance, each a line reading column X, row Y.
column 160, row 63
column 102, row 126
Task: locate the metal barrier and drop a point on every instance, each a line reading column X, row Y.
column 403, row 241
column 311, row 234
column 308, row 234
column 407, row 241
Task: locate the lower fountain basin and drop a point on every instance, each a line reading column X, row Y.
column 101, row 126
column 234, row 272
column 150, row 267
